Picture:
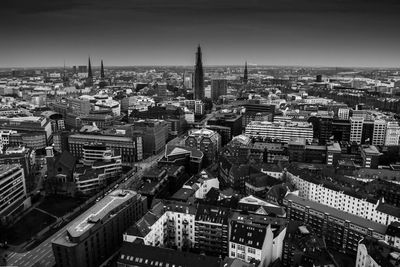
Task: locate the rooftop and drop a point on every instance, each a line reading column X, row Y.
column 142, row 256
column 377, row 227
column 99, row 211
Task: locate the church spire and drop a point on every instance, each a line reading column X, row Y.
column 198, row 76
column 90, row 74
column 102, row 70
column 245, row 76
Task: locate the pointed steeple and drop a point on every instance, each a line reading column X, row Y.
column 90, row 74
column 102, row 70
column 245, row 76
column 198, row 76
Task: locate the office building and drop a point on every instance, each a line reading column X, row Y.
column 228, row 119
column 356, row 129
column 392, row 134
column 343, row 113
column 370, row 156
column 379, row 133
column 219, row 87
column 130, row 148
column 79, row 106
column 252, row 111
column 97, row 233
column 207, row 141
column 13, row 193
column 282, row 131
column 154, row 135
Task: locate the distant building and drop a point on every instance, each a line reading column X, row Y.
column 392, row 134
column 219, row 87
column 356, row 130
column 97, row 233
column 282, row 131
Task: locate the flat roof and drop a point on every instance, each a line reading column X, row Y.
column 99, row 211
column 101, row 137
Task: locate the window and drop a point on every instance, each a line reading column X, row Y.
column 233, row 245
column 251, row 250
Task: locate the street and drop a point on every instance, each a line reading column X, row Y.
column 42, row 255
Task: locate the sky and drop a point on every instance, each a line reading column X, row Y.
column 337, row 33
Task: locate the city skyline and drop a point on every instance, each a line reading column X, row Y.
column 280, row 33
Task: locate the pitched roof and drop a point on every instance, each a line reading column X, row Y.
column 248, row 234
column 143, row 256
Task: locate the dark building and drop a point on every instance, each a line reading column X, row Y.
column 367, row 132
column 318, row 78
column 256, row 110
column 211, row 230
column 341, row 230
column 302, row 247
column 190, row 158
column 173, row 115
column 231, row 120
column 218, row 88
column 97, row 233
column 224, row 132
column 155, row 134
column 148, row 255
column 341, row 130
column 198, row 77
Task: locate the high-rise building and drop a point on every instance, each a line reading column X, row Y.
column 218, row 87
column 392, row 134
column 198, row 76
column 97, row 233
column 356, row 129
column 155, row 135
column 379, row 133
column 245, row 76
column 13, row 193
column 343, row 113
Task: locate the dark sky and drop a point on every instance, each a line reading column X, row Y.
column 166, row 32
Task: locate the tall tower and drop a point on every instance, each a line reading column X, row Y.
column 90, row 74
column 198, row 77
column 245, row 76
column 102, row 71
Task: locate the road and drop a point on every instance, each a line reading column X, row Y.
column 42, row 255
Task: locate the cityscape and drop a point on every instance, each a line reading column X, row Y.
column 205, row 150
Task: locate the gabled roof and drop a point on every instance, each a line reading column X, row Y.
column 248, row 234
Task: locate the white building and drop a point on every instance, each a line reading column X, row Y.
column 344, row 113
column 392, row 134
column 379, row 132
column 356, row 129
column 366, row 208
column 283, row 131
column 250, row 240
column 202, row 184
column 169, row 224
column 372, row 253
